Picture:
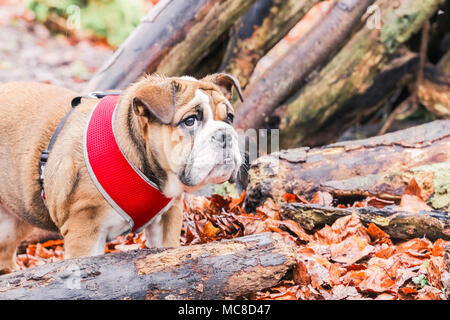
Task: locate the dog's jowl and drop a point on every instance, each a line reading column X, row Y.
column 116, row 164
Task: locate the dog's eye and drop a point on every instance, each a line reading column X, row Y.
column 230, row 118
column 190, row 121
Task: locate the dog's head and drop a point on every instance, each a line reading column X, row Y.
column 187, row 127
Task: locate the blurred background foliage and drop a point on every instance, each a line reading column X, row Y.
column 109, row 19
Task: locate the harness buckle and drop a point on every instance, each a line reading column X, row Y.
column 42, row 161
column 102, row 94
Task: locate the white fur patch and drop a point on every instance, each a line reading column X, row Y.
column 203, row 97
column 154, row 233
column 188, row 78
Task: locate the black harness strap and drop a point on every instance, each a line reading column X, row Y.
column 44, row 155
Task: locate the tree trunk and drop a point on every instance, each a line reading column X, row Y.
column 328, row 97
column 286, row 75
column 305, row 171
column 168, row 40
column 217, row 270
column 255, row 33
column 398, row 224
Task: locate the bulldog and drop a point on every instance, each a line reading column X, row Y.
column 177, row 131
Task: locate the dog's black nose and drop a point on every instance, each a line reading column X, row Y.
column 222, row 138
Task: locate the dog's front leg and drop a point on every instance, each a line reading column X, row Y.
column 86, row 231
column 165, row 230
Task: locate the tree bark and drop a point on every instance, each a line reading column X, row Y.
column 168, row 40
column 286, row 75
column 434, row 94
column 256, row 32
column 305, row 171
column 217, row 270
column 434, row 90
column 328, row 97
column 398, row 224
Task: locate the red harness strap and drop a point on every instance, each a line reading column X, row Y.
column 137, row 199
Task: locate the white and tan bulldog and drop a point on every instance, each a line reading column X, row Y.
column 177, row 131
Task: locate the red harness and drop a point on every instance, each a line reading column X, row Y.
column 137, row 199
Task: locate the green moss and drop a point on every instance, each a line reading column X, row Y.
column 226, row 189
column 402, row 22
column 111, row 19
column 391, row 33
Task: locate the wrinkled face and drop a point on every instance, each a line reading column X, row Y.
column 192, row 137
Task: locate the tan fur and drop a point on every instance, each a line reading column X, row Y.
column 29, row 114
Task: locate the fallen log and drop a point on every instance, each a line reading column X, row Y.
column 398, row 224
column 168, row 40
column 318, row 111
column 217, row 270
column 257, row 31
column 287, row 73
column 305, row 171
column 398, row 73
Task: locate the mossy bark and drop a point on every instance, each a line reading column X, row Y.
column 324, row 100
column 168, row 40
column 304, row 171
column 287, row 74
column 398, row 224
column 256, row 32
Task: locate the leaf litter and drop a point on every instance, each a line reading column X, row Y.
column 343, row 261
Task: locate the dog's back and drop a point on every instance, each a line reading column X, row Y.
column 29, row 113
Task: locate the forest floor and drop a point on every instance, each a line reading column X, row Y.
column 29, row 52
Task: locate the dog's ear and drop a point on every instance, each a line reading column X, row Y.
column 156, row 100
column 225, row 82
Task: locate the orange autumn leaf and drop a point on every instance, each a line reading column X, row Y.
column 423, row 192
column 350, row 250
column 237, row 202
column 385, row 252
column 376, row 233
column 295, row 228
column 210, row 231
column 438, row 248
column 416, row 247
column 379, row 203
column 300, row 274
column 435, row 268
column 406, row 293
column 322, row 198
column 53, row 243
column 429, row 293
column 377, row 281
column 413, row 189
column 341, row 229
column 292, row 198
column 354, row 277
column 269, row 209
column 413, row 203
